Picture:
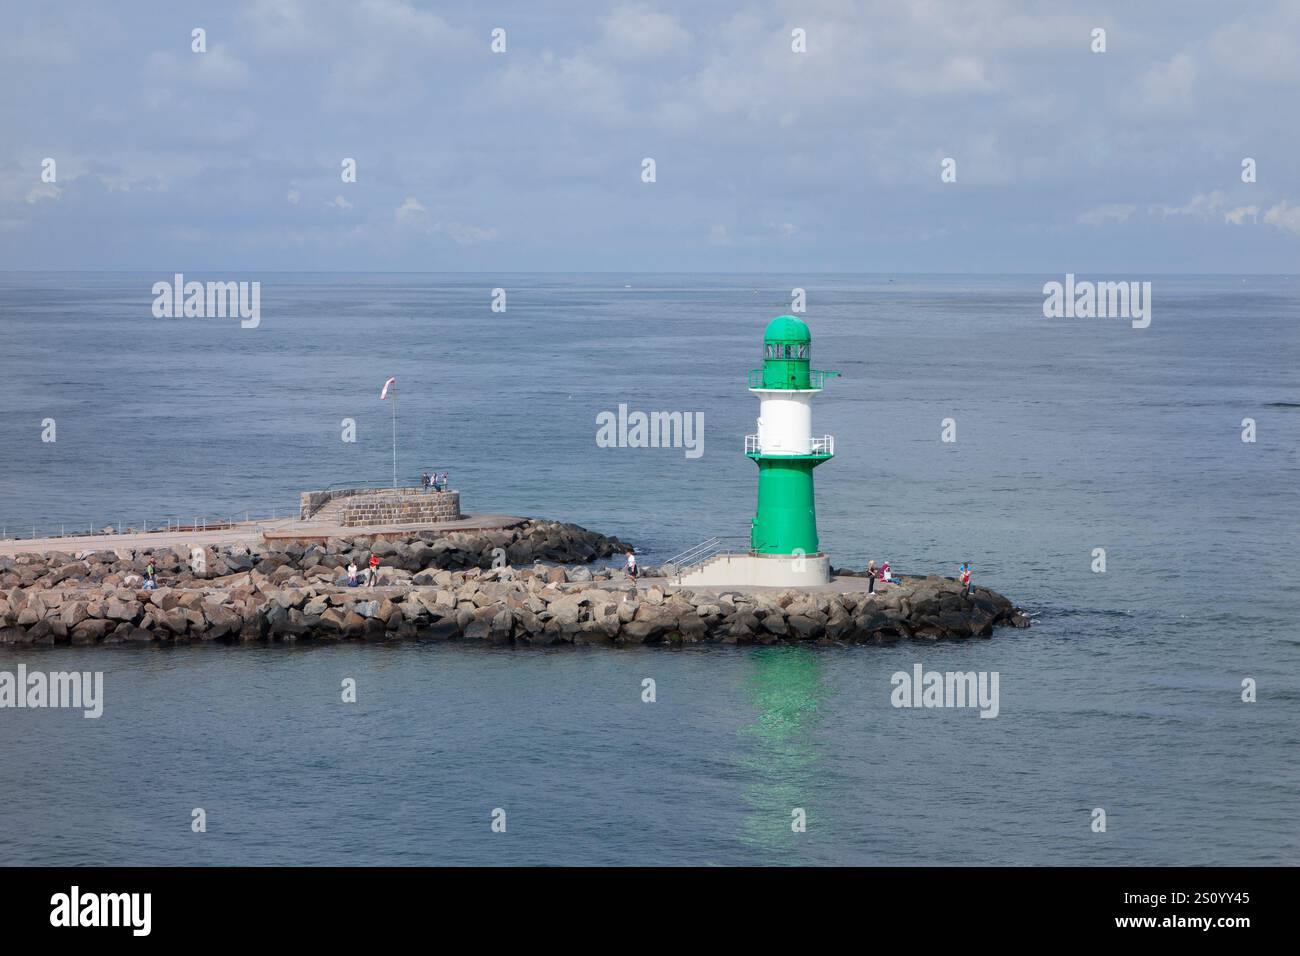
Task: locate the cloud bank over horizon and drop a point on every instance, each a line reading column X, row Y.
column 785, row 137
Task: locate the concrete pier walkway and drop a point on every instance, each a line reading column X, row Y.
column 278, row 531
column 838, row 585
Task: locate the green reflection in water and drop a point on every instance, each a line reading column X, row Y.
column 787, row 686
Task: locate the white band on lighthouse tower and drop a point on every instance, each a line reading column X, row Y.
column 784, row 422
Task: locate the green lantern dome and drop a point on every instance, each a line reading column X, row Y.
column 786, row 328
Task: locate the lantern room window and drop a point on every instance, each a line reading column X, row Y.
column 786, row 351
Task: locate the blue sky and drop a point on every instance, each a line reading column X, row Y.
column 767, row 160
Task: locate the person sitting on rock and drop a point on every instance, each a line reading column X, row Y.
column 150, row 576
column 886, row 576
column 352, row 575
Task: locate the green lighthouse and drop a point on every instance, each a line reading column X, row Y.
column 784, row 449
column 783, row 548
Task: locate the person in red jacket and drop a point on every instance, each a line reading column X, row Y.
column 373, row 569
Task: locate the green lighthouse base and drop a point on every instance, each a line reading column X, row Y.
column 785, row 521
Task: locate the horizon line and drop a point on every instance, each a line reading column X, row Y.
column 478, row 272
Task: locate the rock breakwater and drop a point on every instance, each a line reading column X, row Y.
column 401, row 559
column 300, row 600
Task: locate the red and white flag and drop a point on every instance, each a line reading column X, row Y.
column 383, row 394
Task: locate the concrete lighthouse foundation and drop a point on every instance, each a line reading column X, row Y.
column 783, row 547
column 760, row 570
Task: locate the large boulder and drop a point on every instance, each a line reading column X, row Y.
column 91, row 631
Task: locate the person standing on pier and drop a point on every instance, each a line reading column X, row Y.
column 372, row 572
column 631, row 566
column 871, row 576
column 965, row 579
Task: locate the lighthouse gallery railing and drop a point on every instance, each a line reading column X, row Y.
column 820, row 446
column 816, row 378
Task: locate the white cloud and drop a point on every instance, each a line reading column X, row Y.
column 1238, row 216
column 637, row 30
column 412, row 214
column 1167, row 88
column 338, row 202
column 302, row 27
column 288, row 26
column 1201, row 205
column 957, row 75
column 218, row 69
column 1214, row 204
column 1264, row 47
column 574, row 85
column 1284, row 216
column 379, row 55
column 125, row 181
column 293, row 196
column 388, row 55
column 1110, row 212
column 43, row 191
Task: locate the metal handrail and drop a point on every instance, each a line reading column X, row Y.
column 164, row 525
column 385, row 483
column 689, row 553
column 173, row 524
column 700, row 559
column 819, row 446
column 693, row 557
column 816, row 378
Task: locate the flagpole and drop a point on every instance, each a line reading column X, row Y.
column 394, row 434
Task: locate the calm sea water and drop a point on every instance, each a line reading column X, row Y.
column 1071, row 435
